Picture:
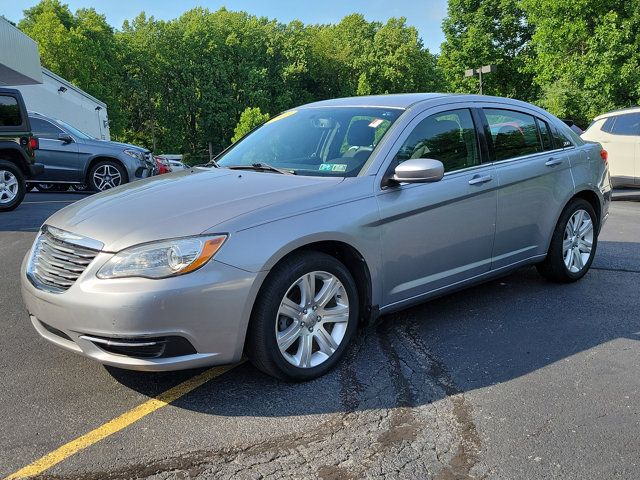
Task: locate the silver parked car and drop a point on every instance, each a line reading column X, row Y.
column 329, row 214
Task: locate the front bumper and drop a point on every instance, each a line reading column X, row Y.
column 210, row 308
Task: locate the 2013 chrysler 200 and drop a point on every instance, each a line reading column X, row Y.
column 328, row 214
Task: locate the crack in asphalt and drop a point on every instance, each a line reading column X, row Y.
column 424, row 429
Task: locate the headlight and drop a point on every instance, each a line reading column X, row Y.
column 135, row 154
column 163, row 259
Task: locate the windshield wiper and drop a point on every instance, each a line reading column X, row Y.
column 262, row 167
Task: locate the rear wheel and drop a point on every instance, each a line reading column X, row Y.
column 106, row 175
column 573, row 244
column 12, row 186
column 80, row 187
column 304, row 317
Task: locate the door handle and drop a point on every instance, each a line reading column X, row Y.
column 552, row 162
column 478, row 180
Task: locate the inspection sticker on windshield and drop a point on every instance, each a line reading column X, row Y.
column 333, row 167
column 376, row 123
column 283, row 115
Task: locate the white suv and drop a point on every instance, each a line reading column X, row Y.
column 619, row 134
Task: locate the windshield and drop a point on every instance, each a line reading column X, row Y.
column 73, row 131
column 324, row 141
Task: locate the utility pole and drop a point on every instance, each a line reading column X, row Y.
column 480, row 70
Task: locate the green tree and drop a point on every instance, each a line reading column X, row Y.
column 483, row 32
column 250, row 118
column 586, row 54
column 79, row 47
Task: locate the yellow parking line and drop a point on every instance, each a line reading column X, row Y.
column 118, row 423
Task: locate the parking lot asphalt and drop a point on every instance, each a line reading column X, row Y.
column 517, row 378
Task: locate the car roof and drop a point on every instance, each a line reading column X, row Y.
column 618, row 112
column 397, row 100
column 407, row 100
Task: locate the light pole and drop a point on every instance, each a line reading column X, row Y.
column 480, row 70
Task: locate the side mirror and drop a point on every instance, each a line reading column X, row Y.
column 419, row 170
column 65, row 138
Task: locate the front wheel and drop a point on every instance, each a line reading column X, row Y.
column 13, row 187
column 106, row 175
column 304, row 317
column 573, row 244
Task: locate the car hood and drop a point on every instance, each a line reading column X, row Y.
column 108, row 143
column 184, row 203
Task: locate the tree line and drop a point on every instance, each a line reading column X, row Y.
column 194, row 83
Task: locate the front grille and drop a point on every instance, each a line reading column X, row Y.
column 55, row 264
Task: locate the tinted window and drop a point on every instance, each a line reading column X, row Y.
column 9, row 112
column 544, row 134
column 626, row 124
column 561, row 138
column 514, row 134
column 44, row 129
column 448, row 136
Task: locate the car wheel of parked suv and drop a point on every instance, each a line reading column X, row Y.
column 573, row 244
column 80, row 187
column 304, row 318
column 106, row 175
column 12, row 186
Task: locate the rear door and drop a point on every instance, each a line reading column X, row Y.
column 534, row 173
column 60, row 158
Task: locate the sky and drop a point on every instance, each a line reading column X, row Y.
column 425, row 15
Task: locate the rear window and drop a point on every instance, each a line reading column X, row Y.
column 514, row 134
column 628, row 124
column 9, row 112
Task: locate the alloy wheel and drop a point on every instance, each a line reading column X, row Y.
column 106, row 177
column 578, row 241
column 312, row 319
column 8, row 186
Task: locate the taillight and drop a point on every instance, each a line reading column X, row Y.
column 33, row 143
column 604, row 155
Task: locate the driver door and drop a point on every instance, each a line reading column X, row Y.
column 438, row 234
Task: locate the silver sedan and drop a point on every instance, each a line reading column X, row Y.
column 325, row 217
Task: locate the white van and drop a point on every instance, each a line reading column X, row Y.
column 619, row 134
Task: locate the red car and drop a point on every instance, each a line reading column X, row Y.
column 162, row 166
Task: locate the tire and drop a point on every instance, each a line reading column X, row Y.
column 13, row 187
column 107, row 174
column 81, row 187
column 46, row 187
column 569, row 257
column 268, row 319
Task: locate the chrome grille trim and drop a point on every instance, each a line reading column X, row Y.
column 58, row 258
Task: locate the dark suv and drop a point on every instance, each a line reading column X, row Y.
column 17, row 149
column 72, row 157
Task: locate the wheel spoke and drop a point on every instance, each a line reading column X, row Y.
column 577, row 257
column 327, row 292
column 337, row 314
column 308, row 288
column 325, row 341
column 287, row 337
column 585, row 228
column 304, row 351
column 289, row 308
column 566, row 245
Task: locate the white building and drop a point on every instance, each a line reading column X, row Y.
column 57, row 98
column 44, row 91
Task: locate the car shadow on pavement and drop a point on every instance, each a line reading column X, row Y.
column 475, row 338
